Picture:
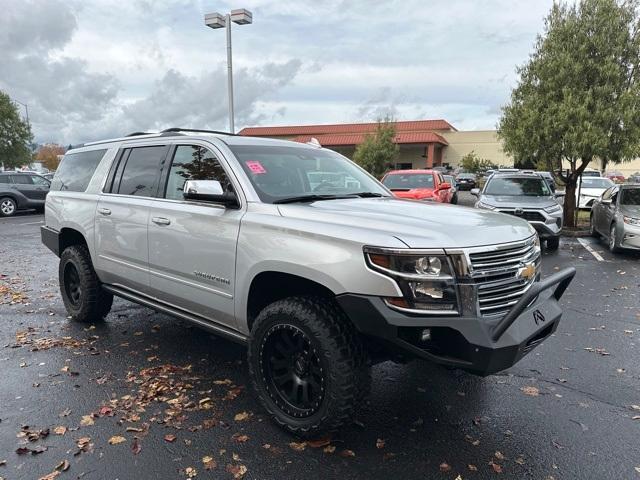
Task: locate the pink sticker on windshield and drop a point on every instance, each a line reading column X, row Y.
column 255, row 166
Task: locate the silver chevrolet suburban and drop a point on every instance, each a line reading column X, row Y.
column 295, row 251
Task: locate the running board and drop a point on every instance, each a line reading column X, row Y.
column 177, row 312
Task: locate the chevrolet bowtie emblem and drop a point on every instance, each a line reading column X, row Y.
column 527, row 271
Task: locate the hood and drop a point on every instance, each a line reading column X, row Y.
column 511, row 201
column 591, row 192
column 630, row 210
column 417, row 224
column 414, row 193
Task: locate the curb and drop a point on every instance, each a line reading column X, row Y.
column 576, row 233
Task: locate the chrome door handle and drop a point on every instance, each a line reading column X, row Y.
column 104, row 211
column 161, row 221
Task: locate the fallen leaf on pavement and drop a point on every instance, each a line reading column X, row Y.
column 499, row 455
column 170, row 438
column 136, row 448
column 347, row 453
column 380, row 443
column 445, row 467
column 319, row 442
column 209, row 463
column 116, row 439
column 190, row 472
column 86, row 420
column 472, row 467
column 531, row 391
column 298, row 446
column 242, row 416
column 496, row 468
column 238, row 471
column 329, row 449
column 60, row 430
column 239, row 438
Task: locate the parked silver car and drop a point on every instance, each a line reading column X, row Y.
column 616, row 216
column 319, row 277
column 525, row 195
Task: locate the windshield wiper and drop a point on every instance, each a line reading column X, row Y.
column 312, row 198
column 369, row 194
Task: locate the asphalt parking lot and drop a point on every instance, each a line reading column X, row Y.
column 88, row 401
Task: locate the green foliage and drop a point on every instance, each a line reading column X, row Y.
column 378, row 152
column 578, row 96
column 472, row 162
column 15, row 135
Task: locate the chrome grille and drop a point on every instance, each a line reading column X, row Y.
column 495, row 272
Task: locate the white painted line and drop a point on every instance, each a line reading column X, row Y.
column 588, row 248
column 32, row 223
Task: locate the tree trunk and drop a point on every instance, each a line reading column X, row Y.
column 570, row 202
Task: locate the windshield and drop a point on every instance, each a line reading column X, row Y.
column 278, row 173
column 449, row 178
column 531, row 187
column 630, row 196
column 590, row 174
column 596, row 182
column 407, row 181
column 467, row 175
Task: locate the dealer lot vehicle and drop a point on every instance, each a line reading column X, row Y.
column 591, row 188
column 616, row 216
column 454, row 188
column 19, row 191
column 466, row 181
column 226, row 232
column 426, row 185
column 525, row 195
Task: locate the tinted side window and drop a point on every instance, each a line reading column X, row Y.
column 4, row 179
column 140, row 173
column 38, row 180
column 75, row 171
column 192, row 162
column 21, row 179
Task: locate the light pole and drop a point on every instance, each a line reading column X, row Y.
column 26, row 108
column 240, row 16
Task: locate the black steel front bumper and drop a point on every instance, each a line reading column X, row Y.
column 479, row 345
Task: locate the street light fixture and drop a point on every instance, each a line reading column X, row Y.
column 26, row 108
column 240, row 16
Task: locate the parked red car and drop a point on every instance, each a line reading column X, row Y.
column 615, row 177
column 419, row 185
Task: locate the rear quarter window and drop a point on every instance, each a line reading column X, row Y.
column 75, row 171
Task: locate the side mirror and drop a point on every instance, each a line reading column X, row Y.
column 209, row 191
column 445, row 186
column 475, row 192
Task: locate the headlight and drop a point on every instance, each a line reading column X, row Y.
column 426, row 280
column 631, row 220
column 553, row 209
column 485, row 206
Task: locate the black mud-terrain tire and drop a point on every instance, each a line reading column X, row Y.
column 82, row 294
column 340, row 355
column 8, row 207
column 553, row 243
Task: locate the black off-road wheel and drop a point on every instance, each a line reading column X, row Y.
column 553, row 243
column 82, row 294
column 307, row 365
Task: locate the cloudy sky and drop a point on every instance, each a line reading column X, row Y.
column 96, row 69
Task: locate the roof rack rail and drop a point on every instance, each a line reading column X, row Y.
column 196, row 130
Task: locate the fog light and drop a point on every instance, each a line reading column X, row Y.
column 425, row 335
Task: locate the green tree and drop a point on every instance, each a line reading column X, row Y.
column 378, row 152
column 472, row 162
column 578, row 96
column 15, row 135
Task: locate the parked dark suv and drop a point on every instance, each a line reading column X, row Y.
column 20, row 190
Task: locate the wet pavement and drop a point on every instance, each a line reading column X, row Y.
column 144, row 395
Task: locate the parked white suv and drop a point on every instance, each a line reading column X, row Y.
column 320, row 278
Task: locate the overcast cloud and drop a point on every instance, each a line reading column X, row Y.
column 100, row 69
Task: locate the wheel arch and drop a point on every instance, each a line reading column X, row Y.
column 269, row 286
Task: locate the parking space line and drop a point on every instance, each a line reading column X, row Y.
column 588, row 248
